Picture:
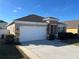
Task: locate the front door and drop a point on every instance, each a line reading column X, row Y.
column 53, row 29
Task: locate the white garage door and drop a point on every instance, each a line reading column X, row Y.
column 28, row 33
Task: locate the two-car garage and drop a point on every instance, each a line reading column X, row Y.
column 37, row 31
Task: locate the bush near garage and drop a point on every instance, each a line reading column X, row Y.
column 9, row 39
column 2, row 36
column 51, row 37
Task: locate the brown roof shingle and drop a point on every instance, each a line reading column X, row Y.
column 32, row 18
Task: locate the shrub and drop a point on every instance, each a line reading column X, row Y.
column 2, row 36
column 69, row 35
column 63, row 36
column 76, row 36
column 9, row 39
column 51, row 36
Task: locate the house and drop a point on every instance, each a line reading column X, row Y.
column 33, row 27
column 3, row 27
column 54, row 26
column 3, row 24
column 72, row 26
column 61, row 27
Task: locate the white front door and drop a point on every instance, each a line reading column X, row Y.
column 29, row 33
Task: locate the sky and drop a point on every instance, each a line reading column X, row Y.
column 62, row 9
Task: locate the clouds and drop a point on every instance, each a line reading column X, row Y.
column 18, row 9
column 15, row 11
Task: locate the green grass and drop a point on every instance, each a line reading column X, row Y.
column 77, row 44
column 71, row 41
column 9, row 52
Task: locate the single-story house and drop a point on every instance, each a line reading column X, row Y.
column 33, row 27
column 3, row 27
column 72, row 26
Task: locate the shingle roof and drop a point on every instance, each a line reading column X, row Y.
column 61, row 23
column 32, row 18
column 72, row 24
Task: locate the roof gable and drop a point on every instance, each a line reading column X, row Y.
column 32, row 18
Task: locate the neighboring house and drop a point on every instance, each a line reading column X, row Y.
column 3, row 24
column 72, row 26
column 3, row 27
column 33, row 27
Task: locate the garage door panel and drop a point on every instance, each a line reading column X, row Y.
column 28, row 33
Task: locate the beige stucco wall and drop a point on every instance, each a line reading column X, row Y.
column 73, row 30
column 61, row 28
column 11, row 28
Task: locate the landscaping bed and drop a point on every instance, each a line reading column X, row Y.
column 69, row 38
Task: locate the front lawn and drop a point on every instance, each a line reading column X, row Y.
column 77, row 44
column 71, row 41
column 9, row 52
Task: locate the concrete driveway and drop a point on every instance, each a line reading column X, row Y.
column 44, row 49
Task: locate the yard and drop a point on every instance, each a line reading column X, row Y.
column 9, row 52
